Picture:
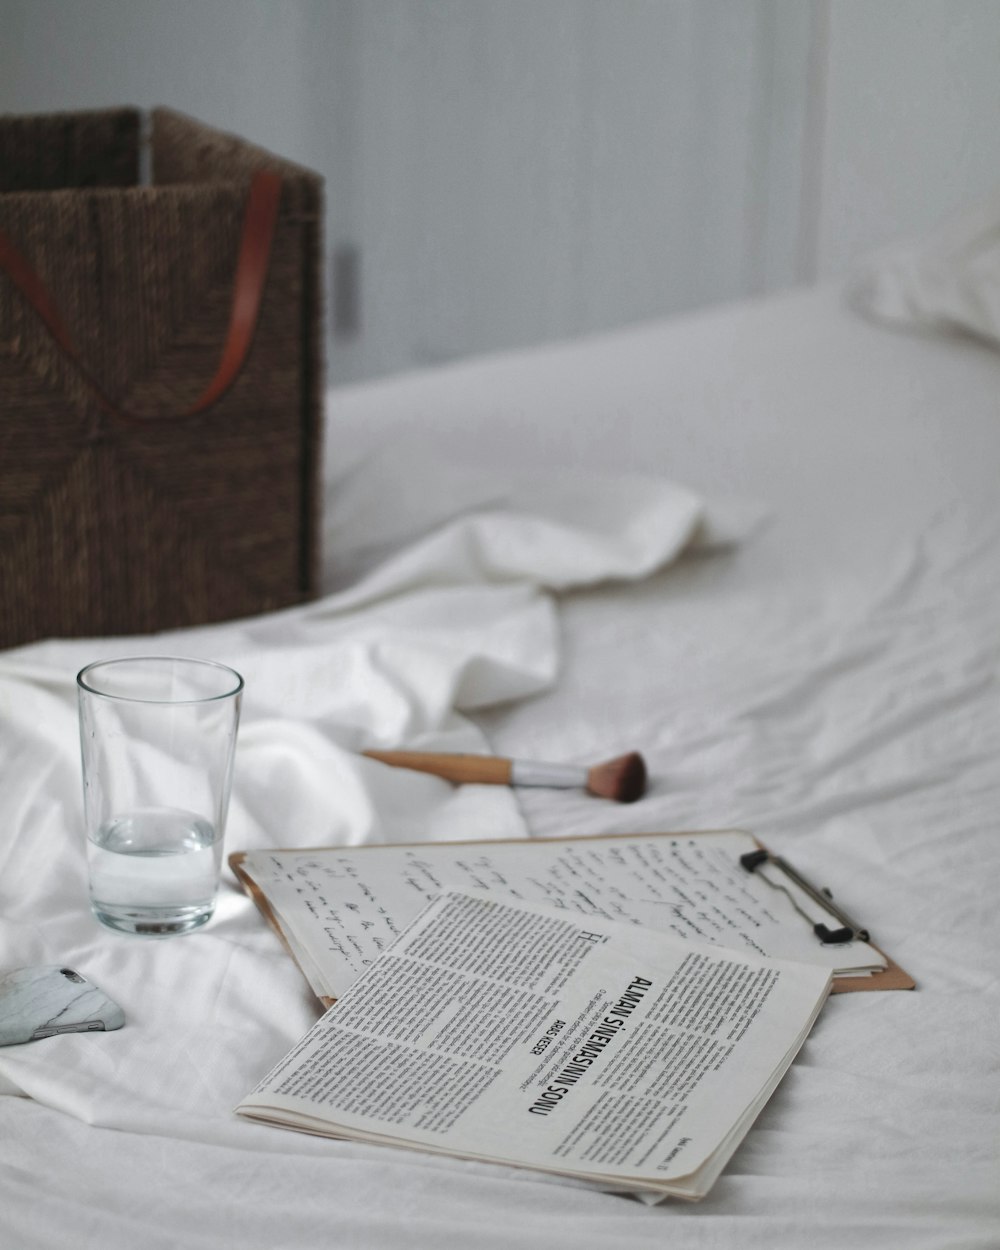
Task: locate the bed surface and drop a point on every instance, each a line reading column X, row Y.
column 758, row 544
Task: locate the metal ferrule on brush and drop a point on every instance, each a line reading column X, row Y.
column 561, row 776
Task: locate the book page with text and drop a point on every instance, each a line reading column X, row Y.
column 536, row 1037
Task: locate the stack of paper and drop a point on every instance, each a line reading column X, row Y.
column 530, row 1036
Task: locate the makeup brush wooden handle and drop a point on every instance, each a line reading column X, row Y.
column 622, row 779
column 464, row 769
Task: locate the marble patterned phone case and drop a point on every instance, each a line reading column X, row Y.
column 48, row 1000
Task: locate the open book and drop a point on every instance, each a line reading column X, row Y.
column 337, row 908
column 540, row 1037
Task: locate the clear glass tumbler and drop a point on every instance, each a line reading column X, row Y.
column 158, row 740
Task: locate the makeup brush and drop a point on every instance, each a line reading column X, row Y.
column 622, row 779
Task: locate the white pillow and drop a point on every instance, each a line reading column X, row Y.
column 948, row 279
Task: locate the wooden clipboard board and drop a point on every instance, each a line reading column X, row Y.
column 892, row 977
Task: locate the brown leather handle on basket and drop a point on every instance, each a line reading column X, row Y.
column 259, row 221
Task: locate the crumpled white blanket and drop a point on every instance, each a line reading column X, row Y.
column 460, row 618
column 947, row 279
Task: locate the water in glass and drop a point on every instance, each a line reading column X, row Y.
column 154, row 871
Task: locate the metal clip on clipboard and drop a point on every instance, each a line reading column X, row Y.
column 850, row 929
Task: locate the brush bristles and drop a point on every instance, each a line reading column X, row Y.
column 622, row 779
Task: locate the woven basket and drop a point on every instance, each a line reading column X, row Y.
column 111, row 525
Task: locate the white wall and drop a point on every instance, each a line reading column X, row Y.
column 513, row 171
column 540, row 168
column 912, row 125
column 244, row 65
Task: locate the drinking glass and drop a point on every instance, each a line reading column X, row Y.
column 158, row 740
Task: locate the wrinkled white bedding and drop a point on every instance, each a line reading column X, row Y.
column 826, row 678
column 947, row 279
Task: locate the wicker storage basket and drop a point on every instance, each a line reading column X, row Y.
column 111, row 524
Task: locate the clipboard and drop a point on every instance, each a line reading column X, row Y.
column 892, row 977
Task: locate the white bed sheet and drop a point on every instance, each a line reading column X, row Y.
column 829, row 681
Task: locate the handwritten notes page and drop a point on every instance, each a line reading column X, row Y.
column 538, row 1037
column 340, row 907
